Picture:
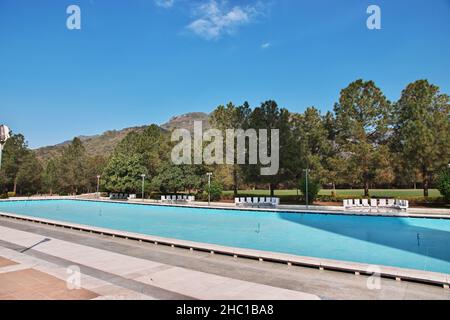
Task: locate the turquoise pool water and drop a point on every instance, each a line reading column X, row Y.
column 402, row 242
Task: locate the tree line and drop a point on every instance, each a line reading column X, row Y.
column 367, row 141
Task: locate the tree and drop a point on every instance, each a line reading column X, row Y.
column 94, row 167
column 72, row 177
column 123, row 173
column 231, row 117
column 422, row 130
column 50, row 176
column 312, row 144
column 444, row 184
column 270, row 116
column 175, row 178
column 215, row 191
column 21, row 170
column 314, row 187
column 152, row 144
column 362, row 122
column 29, row 176
column 15, row 152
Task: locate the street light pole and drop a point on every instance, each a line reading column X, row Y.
column 306, row 186
column 209, row 174
column 143, row 185
column 98, row 186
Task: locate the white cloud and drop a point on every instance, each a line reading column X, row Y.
column 164, row 3
column 266, row 45
column 216, row 18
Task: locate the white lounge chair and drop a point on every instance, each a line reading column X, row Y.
column 382, row 203
column 365, row 203
column 391, row 203
column 275, row 201
column 348, row 203
column 373, row 203
column 402, row 204
column 237, row 201
column 357, row 203
column 191, row 198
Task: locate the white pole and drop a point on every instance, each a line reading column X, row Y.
column 306, row 195
column 1, row 151
column 209, row 188
column 143, row 184
column 98, row 186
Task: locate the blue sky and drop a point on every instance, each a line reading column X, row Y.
column 137, row 62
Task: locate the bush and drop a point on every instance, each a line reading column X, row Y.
column 11, row 194
column 4, row 196
column 444, row 184
column 314, row 187
column 216, row 191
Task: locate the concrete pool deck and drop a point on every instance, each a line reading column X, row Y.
column 115, row 268
column 399, row 274
column 154, row 280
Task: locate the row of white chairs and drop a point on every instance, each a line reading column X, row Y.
column 179, row 198
column 120, row 196
column 257, row 201
column 376, row 203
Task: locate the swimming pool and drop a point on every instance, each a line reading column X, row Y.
column 415, row 243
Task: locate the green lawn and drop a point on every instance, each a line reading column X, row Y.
column 347, row 192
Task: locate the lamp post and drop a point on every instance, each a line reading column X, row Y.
column 209, row 174
column 4, row 135
column 306, row 186
column 98, row 186
column 143, row 185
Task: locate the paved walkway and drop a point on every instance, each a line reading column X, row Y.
column 125, row 269
column 141, row 278
column 31, row 284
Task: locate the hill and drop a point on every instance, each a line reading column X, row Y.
column 104, row 144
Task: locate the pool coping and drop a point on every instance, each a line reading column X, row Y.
column 399, row 274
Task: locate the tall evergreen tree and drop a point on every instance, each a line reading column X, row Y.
column 362, row 119
column 123, row 173
column 312, row 143
column 270, row 116
column 72, row 176
column 231, row 117
column 422, row 130
column 21, row 171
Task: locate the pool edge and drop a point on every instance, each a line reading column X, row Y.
column 427, row 277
